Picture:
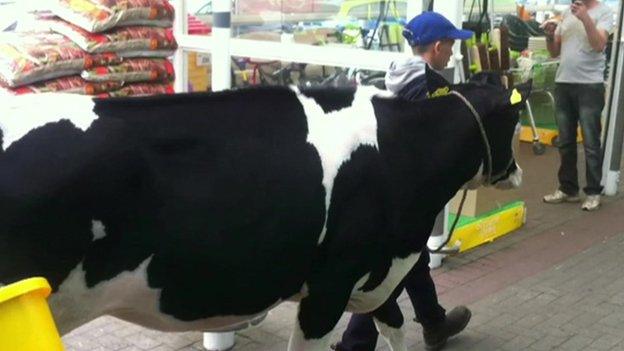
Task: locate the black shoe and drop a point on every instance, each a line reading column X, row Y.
column 455, row 322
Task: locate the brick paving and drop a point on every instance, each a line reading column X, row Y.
column 556, row 284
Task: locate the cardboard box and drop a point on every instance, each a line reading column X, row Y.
column 261, row 35
column 199, row 72
column 316, row 36
column 481, row 201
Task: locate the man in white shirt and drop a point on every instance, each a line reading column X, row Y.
column 580, row 40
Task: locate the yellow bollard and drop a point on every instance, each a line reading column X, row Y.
column 26, row 322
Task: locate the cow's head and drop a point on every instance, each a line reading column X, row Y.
column 498, row 108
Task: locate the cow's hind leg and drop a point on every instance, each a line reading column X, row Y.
column 393, row 335
column 389, row 321
column 299, row 342
column 317, row 316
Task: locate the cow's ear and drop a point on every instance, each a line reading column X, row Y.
column 436, row 84
column 519, row 94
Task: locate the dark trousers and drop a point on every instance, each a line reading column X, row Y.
column 579, row 104
column 361, row 333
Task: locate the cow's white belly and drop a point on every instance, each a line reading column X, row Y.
column 362, row 302
column 128, row 297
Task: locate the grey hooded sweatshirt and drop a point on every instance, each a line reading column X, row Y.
column 406, row 78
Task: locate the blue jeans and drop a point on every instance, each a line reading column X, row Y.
column 580, row 104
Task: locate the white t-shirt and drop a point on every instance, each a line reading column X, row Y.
column 579, row 63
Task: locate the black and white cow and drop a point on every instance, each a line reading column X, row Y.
column 203, row 211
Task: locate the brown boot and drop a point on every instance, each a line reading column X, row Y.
column 455, row 322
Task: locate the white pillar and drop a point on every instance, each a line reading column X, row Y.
column 221, row 33
column 221, row 80
column 438, row 235
column 414, row 8
column 615, row 128
column 454, row 11
column 180, row 60
column 490, row 14
column 610, row 178
column 218, row 341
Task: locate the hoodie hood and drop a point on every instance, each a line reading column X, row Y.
column 404, row 71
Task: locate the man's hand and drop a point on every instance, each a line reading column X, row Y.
column 597, row 37
column 549, row 30
column 579, row 9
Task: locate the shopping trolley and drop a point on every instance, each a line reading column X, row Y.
column 543, row 76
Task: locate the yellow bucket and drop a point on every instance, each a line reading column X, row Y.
column 26, row 322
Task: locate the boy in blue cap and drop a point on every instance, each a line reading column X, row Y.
column 431, row 37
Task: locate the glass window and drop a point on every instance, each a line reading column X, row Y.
column 351, row 23
column 249, row 72
column 370, row 10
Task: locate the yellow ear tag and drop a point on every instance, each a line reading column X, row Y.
column 440, row 92
column 515, row 97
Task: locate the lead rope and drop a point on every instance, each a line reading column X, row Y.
column 488, row 153
column 486, row 142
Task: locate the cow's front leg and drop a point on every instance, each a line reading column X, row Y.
column 317, row 316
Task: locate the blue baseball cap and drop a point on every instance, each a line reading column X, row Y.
column 429, row 27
